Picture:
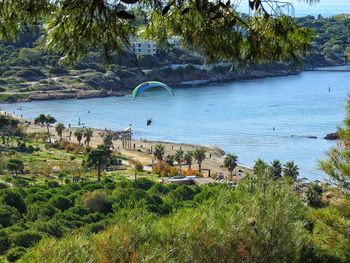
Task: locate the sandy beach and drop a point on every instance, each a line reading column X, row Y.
column 141, row 149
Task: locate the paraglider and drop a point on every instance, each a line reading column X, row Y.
column 149, row 122
column 149, row 85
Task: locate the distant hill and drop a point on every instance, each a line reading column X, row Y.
column 29, row 73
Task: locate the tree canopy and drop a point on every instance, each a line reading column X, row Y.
column 213, row 28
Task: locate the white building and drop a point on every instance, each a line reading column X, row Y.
column 148, row 47
column 144, row 47
column 174, row 41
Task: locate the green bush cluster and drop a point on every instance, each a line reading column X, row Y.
column 260, row 219
column 27, row 214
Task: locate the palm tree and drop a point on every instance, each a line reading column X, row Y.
column 88, row 133
column 59, row 129
column 45, row 120
column 290, row 170
column 199, row 155
column 179, row 156
column 188, row 158
column 158, row 152
column 260, row 167
column 78, row 133
column 230, row 162
column 98, row 158
column 107, row 139
column 276, row 169
column 169, row 159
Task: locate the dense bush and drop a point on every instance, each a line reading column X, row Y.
column 30, row 75
column 15, row 253
column 243, row 225
column 8, row 215
column 5, row 242
column 61, row 202
column 58, row 71
column 143, row 183
column 52, row 227
column 13, row 198
column 41, row 210
column 26, row 238
column 40, row 196
column 97, row 201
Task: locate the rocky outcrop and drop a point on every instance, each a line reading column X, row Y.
column 304, row 136
column 332, row 136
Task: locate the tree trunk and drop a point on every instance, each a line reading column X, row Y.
column 231, row 175
column 189, row 166
column 98, row 173
column 180, row 166
column 200, row 167
column 48, row 133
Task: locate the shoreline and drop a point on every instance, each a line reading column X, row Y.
column 140, row 149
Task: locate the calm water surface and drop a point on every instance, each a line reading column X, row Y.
column 237, row 116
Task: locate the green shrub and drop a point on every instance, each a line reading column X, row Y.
column 93, row 218
column 9, row 73
column 183, row 192
column 12, row 97
column 3, row 185
column 52, row 227
column 8, row 215
column 13, row 198
column 61, row 202
column 53, row 184
column 15, row 165
column 58, row 71
column 15, row 253
column 96, row 227
column 38, row 197
column 97, row 201
column 26, row 238
column 41, row 210
column 160, row 189
column 20, row 182
column 30, row 74
column 313, row 195
column 5, row 242
column 79, row 210
column 143, row 183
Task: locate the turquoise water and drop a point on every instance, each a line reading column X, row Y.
column 237, row 116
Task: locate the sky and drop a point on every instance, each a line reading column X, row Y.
column 324, row 7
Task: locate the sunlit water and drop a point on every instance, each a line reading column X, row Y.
column 237, row 116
